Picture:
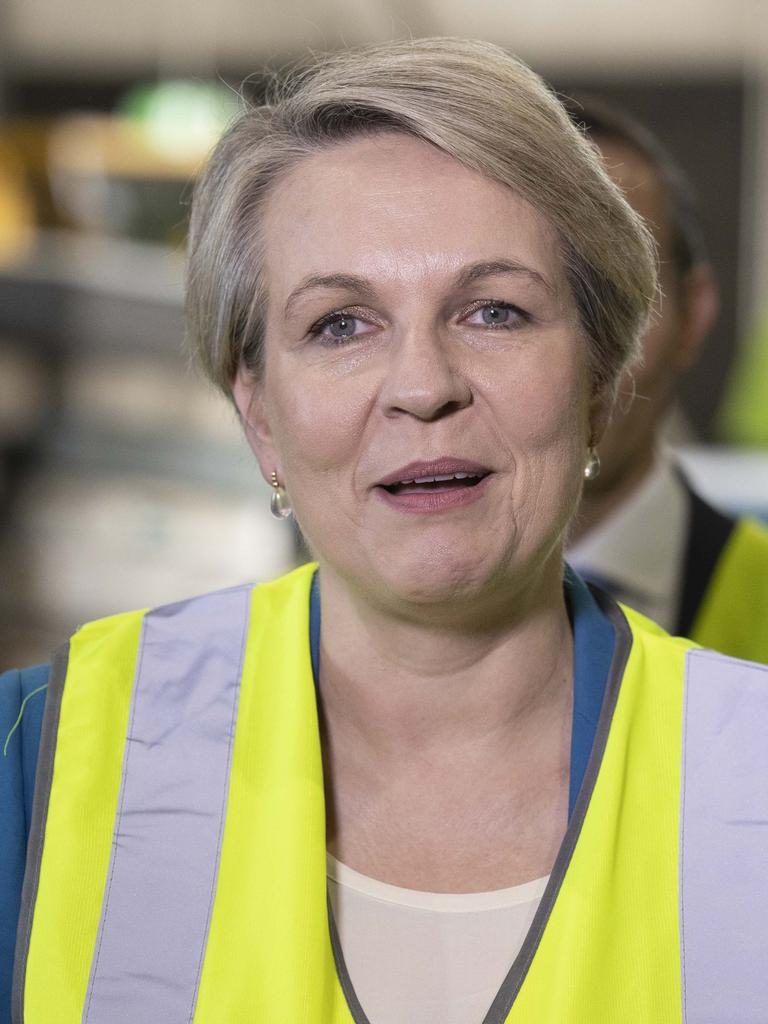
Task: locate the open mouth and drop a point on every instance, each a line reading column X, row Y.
column 441, row 482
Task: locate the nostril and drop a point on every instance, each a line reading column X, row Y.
column 430, row 411
column 422, row 382
column 448, row 408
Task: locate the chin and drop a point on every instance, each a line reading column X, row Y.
column 438, row 577
column 466, row 581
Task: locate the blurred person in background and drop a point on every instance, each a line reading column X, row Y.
column 643, row 532
column 433, row 778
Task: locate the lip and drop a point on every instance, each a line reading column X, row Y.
column 434, row 501
column 437, row 467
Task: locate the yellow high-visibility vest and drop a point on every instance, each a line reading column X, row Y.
column 733, row 615
column 177, row 861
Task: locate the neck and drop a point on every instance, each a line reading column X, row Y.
column 602, row 497
column 446, row 749
column 400, row 685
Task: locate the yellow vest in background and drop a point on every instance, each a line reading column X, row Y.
column 733, row 616
column 155, row 756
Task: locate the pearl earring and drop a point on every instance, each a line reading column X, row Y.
column 279, row 504
column 592, row 468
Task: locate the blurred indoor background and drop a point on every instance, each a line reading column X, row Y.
column 123, row 478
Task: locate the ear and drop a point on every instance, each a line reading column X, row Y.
column 248, row 395
column 700, row 304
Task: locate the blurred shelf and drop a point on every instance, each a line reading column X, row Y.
column 103, row 319
column 231, row 468
column 80, row 291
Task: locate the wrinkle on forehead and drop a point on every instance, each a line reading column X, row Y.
column 398, row 210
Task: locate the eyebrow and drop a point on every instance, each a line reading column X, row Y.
column 341, row 282
column 492, row 268
column 467, row 276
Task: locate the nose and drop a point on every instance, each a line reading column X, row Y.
column 423, row 379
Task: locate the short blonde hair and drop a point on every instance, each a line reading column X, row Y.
column 473, row 101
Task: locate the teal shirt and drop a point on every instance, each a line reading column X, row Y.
column 18, row 762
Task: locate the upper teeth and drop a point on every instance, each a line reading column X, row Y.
column 435, row 479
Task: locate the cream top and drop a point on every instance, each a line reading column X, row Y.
column 424, row 957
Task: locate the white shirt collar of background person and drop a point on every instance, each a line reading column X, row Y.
column 640, row 546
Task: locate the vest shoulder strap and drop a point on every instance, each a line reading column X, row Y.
column 150, row 702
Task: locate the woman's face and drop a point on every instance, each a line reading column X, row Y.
column 419, row 325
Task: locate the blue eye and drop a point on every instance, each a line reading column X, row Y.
column 497, row 314
column 339, row 327
column 493, row 315
column 342, row 326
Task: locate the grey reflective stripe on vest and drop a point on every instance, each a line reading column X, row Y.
column 724, row 842
column 167, row 837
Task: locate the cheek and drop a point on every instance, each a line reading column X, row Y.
column 316, row 424
column 547, row 411
column 548, row 428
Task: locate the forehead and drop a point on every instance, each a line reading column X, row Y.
column 390, row 206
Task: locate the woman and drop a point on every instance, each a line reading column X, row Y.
column 418, row 286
